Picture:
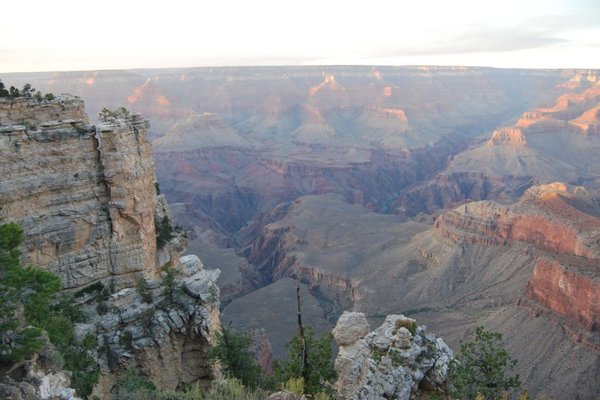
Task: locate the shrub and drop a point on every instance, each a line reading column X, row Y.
column 30, row 305
column 164, row 231
column 169, row 282
column 410, row 325
column 26, row 91
column 320, row 371
column 144, row 291
column 107, row 115
column 294, row 385
column 231, row 349
column 134, row 386
column 481, row 368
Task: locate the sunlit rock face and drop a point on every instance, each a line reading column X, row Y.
column 84, row 194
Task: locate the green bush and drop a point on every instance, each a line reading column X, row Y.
column 294, row 385
column 169, row 282
column 107, row 115
column 30, row 304
column 231, row 349
column 26, row 91
column 164, row 231
column 320, row 369
column 481, row 368
column 144, row 291
column 23, row 291
column 135, row 386
column 410, row 325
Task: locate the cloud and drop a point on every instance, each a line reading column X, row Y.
column 530, row 33
column 473, row 40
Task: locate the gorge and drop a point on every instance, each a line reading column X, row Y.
column 458, row 196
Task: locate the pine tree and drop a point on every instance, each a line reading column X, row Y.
column 482, row 368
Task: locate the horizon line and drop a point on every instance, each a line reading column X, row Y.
column 441, row 66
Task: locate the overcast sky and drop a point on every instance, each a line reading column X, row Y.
column 48, row 35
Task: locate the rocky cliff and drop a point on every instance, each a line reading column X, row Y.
column 85, row 195
column 392, row 362
column 87, row 200
column 569, row 287
column 563, row 225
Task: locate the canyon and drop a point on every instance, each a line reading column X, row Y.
column 459, row 196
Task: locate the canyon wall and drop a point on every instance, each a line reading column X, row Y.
column 85, row 196
column 568, row 287
column 562, row 225
column 87, row 199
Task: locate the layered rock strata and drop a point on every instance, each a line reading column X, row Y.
column 84, row 195
column 547, row 216
column 164, row 332
column 568, row 287
column 392, row 362
column 86, row 198
column 562, row 226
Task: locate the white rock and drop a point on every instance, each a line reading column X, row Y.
column 350, row 327
column 191, row 264
column 384, row 364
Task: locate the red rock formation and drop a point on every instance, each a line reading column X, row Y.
column 564, row 289
column 548, row 220
column 589, row 121
column 562, row 225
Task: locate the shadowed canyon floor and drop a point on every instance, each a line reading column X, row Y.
column 365, row 184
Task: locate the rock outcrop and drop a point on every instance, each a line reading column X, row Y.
column 84, row 195
column 392, row 362
column 163, row 331
column 562, row 225
column 507, row 137
column 38, row 378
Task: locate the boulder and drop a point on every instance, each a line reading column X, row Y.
column 350, row 327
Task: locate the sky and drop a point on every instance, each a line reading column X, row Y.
column 64, row 35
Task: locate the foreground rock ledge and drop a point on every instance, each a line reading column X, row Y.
column 391, row 362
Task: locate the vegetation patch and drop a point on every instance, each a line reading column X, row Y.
column 32, row 308
column 410, row 325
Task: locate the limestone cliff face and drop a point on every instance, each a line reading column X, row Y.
column 165, row 334
column 86, row 198
column 26, row 110
column 84, row 195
